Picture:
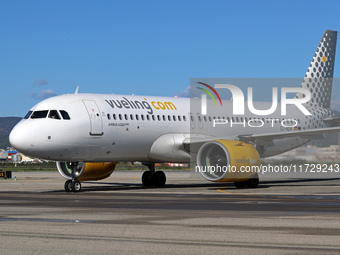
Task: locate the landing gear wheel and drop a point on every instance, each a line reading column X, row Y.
column 253, row 182
column 68, row 186
column 147, row 179
column 240, row 185
column 159, row 179
column 153, row 178
column 76, row 186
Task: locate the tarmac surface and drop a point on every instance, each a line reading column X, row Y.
column 188, row 216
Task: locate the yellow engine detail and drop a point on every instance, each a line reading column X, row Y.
column 227, row 161
column 87, row 171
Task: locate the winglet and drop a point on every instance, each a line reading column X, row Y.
column 76, row 92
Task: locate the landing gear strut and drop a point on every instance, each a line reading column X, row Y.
column 73, row 185
column 153, row 178
column 251, row 183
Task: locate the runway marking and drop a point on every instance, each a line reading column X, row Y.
column 227, row 192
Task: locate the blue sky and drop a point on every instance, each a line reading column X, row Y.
column 152, row 47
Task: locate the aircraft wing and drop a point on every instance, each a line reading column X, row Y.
column 311, row 134
column 333, row 121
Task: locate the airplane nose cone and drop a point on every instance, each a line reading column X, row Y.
column 22, row 138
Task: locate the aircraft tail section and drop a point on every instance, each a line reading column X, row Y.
column 319, row 76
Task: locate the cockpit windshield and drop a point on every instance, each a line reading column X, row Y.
column 65, row 115
column 52, row 114
column 39, row 114
column 28, row 115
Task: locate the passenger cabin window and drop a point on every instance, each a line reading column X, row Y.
column 39, row 114
column 53, row 114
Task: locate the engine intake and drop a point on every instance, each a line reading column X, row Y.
column 87, row 171
column 227, row 161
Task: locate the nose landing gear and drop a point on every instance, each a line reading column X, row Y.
column 73, row 185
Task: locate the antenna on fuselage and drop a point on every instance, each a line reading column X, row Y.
column 76, row 92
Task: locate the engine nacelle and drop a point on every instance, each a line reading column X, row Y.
column 87, row 171
column 227, row 161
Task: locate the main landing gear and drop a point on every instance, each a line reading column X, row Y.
column 251, row 183
column 73, row 185
column 153, row 178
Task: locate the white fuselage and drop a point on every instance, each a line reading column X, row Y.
column 108, row 127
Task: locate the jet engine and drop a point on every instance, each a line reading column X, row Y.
column 227, row 161
column 87, row 171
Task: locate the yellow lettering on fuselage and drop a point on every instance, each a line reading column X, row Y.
column 163, row 105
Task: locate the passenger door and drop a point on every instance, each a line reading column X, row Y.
column 96, row 123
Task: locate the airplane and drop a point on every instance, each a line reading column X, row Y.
column 87, row 134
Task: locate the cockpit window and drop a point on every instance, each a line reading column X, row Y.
column 65, row 115
column 53, row 114
column 39, row 114
column 28, row 115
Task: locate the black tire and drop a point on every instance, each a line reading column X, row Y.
column 240, row 185
column 146, row 179
column 68, row 186
column 253, row 182
column 159, row 179
column 76, row 186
